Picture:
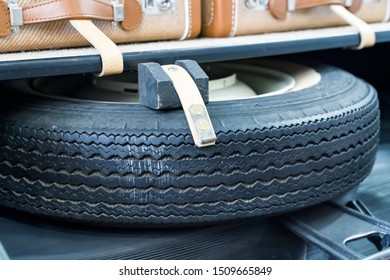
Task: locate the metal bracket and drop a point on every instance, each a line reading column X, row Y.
column 330, row 226
column 291, row 5
column 119, row 13
column 256, row 4
column 16, row 16
column 158, row 7
column 119, row 10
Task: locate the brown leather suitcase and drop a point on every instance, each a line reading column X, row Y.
column 44, row 24
column 227, row 18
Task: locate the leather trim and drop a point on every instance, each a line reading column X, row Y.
column 221, row 17
column 207, row 12
column 195, row 18
column 279, row 8
column 52, row 10
column 67, row 9
column 5, row 27
column 133, row 15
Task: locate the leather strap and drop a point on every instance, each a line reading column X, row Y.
column 5, row 26
column 367, row 34
column 195, row 110
column 51, row 10
column 195, row 18
column 112, row 59
column 279, row 8
column 133, row 15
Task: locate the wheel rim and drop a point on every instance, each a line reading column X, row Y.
column 227, row 81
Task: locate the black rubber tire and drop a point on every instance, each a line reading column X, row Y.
column 126, row 165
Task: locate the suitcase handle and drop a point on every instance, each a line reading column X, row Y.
column 127, row 12
column 279, row 8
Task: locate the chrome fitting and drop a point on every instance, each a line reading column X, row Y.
column 119, row 13
column 257, row 4
column 119, row 10
column 291, row 5
column 264, row 3
column 158, row 7
column 348, row 3
column 251, row 4
column 16, row 16
column 165, row 5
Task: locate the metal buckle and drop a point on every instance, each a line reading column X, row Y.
column 16, row 16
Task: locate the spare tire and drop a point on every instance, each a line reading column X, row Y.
column 122, row 164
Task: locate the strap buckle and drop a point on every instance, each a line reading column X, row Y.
column 16, row 16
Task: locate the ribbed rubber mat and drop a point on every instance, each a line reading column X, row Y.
column 32, row 238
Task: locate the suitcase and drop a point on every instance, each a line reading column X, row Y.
column 228, row 18
column 44, row 24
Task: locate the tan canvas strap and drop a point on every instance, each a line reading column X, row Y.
column 279, row 8
column 367, row 34
column 112, row 59
column 193, row 105
column 128, row 12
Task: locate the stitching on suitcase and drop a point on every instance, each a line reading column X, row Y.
column 7, row 24
column 62, row 17
column 40, row 4
column 53, row 1
column 190, row 18
column 55, row 17
column 212, row 14
column 233, row 18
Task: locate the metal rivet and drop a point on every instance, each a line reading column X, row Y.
column 197, row 109
column 203, row 125
column 172, row 68
column 250, row 3
column 115, row 25
column 15, row 30
column 165, row 5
